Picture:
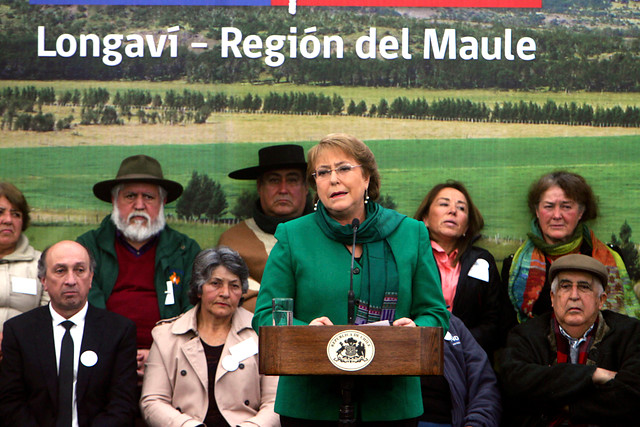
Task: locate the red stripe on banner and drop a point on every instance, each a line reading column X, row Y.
column 417, row 3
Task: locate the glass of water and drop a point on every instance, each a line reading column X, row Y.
column 282, row 311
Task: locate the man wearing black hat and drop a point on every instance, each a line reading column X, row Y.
column 578, row 364
column 282, row 196
column 143, row 265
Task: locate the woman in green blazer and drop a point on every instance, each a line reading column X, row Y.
column 395, row 279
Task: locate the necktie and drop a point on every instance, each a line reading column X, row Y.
column 65, row 378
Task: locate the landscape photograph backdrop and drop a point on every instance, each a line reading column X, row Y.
column 492, row 97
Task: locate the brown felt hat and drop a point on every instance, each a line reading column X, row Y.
column 274, row 157
column 580, row 262
column 138, row 168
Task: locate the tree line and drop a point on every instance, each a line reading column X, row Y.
column 18, row 108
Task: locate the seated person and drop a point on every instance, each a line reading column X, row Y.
column 68, row 363
column 282, row 196
column 561, row 203
column 467, row 394
column 203, row 365
column 143, row 264
column 578, row 364
column 20, row 288
column 470, row 281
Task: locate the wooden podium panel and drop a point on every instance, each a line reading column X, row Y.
column 302, row 350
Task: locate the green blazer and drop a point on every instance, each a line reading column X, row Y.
column 174, row 258
column 314, row 270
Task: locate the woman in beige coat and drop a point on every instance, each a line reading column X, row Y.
column 20, row 289
column 203, row 365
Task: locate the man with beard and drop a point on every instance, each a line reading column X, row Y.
column 144, row 266
column 282, row 196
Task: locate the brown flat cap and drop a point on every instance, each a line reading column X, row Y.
column 580, row 262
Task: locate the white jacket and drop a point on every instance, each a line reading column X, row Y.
column 20, row 289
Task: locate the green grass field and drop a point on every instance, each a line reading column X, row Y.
column 497, row 161
column 497, row 172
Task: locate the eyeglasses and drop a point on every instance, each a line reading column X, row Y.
column 325, row 173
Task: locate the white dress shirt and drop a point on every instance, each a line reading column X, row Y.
column 76, row 334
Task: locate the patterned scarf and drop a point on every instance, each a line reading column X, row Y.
column 528, row 272
column 563, row 356
column 562, row 343
column 380, row 281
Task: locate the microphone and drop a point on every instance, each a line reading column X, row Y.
column 351, row 297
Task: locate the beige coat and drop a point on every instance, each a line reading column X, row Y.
column 175, row 388
column 20, row 289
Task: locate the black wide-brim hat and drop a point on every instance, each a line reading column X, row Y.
column 287, row 156
column 138, row 168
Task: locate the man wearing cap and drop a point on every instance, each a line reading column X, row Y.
column 282, row 196
column 578, row 364
column 144, row 266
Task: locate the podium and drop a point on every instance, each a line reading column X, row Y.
column 319, row 350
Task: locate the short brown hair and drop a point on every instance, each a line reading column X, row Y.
column 574, row 186
column 475, row 219
column 17, row 199
column 353, row 147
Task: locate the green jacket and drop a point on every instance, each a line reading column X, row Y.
column 174, row 254
column 314, row 270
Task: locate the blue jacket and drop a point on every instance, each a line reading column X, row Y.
column 475, row 396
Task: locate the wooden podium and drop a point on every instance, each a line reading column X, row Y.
column 303, row 350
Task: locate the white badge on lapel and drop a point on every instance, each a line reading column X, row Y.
column 229, row 363
column 480, row 270
column 89, row 358
column 169, row 298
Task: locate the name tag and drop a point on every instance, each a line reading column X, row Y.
column 169, row 298
column 244, row 350
column 480, row 270
column 239, row 352
column 24, row 285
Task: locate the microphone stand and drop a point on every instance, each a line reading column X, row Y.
column 351, row 297
column 347, row 410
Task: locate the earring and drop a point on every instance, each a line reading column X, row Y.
column 366, row 196
column 315, row 206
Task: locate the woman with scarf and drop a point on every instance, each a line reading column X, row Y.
column 395, row 279
column 561, row 202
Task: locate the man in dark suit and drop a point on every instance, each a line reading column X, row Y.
column 97, row 365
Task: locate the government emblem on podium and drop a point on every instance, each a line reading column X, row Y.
column 350, row 350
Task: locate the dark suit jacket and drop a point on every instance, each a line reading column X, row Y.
column 28, row 372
